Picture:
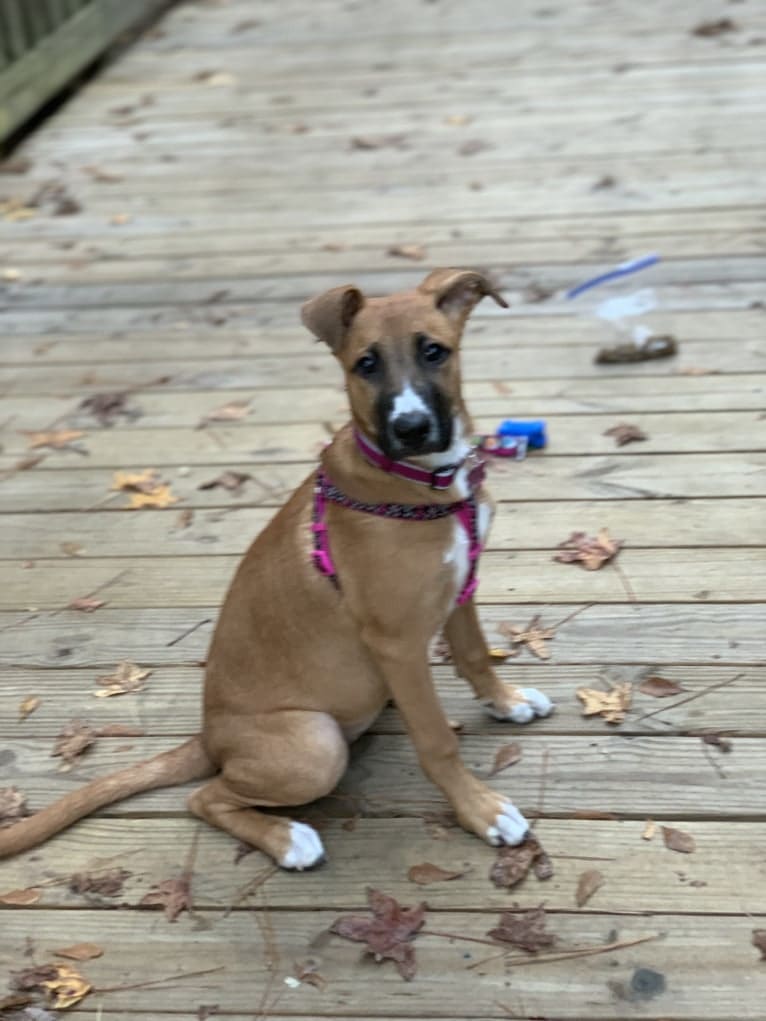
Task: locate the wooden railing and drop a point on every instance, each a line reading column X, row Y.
column 44, row 44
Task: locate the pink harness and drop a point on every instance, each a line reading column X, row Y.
column 442, row 478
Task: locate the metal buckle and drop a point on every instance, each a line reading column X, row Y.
column 446, row 473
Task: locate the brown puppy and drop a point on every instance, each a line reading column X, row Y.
column 333, row 607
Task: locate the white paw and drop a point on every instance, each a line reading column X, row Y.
column 510, row 827
column 535, row 704
column 305, row 848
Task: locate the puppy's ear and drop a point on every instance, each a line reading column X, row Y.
column 330, row 315
column 457, row 291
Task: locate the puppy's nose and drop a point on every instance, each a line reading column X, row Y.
column 411, row 427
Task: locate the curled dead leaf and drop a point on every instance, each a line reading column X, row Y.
column 67, row 988
column 587, row 884
column 625, row 433
column 145, row 481
column 73, row 740
column 414, row 252
column 427, row 873
column 591, row 552
column 86, row 604
column 649, row 830
column 678, row 840
column 611, row 705
column 28, row 705
column 161, row 496
column 229, row 480
column 759, row 941
column 507, row 755
column 13, row 806
column 513, row 863
column 231, row 412
column 106, row 883
column 534, row 636
column 127, row 677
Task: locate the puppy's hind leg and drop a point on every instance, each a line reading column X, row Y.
column 291, row 758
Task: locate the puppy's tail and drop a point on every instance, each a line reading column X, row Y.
column 187, row 762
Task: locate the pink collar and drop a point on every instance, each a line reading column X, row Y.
column 441, row 478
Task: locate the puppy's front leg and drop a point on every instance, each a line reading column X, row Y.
column 478, row 808
column 474, row 663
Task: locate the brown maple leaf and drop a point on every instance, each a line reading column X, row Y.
column 591, row 552
column 612, row 705
column 513, row 863
column 231, row 412
column 388, row 934
column 229, row 480
column 107, row 883
column 525, row 929
column 534, row 636
column 55, row 438
column 13, row 806
column 624, row 433
column 73, row 740
column 415, row 252
column 145, row 481
column 173, row 895
column 126, row 677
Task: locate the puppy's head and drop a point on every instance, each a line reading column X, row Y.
column 400, row 356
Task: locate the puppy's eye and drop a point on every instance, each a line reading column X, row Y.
column 367, row 365
column 433, row 353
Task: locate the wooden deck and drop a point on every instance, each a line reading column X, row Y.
column 219, row 186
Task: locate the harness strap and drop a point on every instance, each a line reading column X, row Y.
column 465, row 511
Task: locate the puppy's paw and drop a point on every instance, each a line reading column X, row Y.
column 493, row 817
column 305, row 850
column 520, row 705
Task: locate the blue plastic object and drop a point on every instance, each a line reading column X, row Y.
column 533, row 431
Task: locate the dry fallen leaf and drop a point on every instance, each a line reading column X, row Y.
column 119, row 730
column 307, row 972
column 506, row 756
column 388, row 933
column 677, row 840
column 542, row 866
column 525, row 929
column 612, row 705
column 145, row 481
column 533, row 636
column 87, row 604
column 759, row 941
column 500, row 654
column 513, row 863
column 659, row 687
column 414, row 252
column 229, row 480
column 663, row 345
column 67, row 988
column 717, row 741
column 55, row 438
column 73, row 740
column 72, row 549
column 173, row 895
column 107, row 407
column 80, row 952
column 161, row 496
column 28, row 705
column 649, row 830
column 378, row 141
column 587, row 884
column 13, row 806
column 591, row 552
column 231, row 412
column 32, row 978
column 709, row 29
column 107, row 883
column 427, row 873
column 101, row 175
column 21, row 898
column 126, row 677
column 624, row 433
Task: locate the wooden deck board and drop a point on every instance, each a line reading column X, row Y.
column 607, row 131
